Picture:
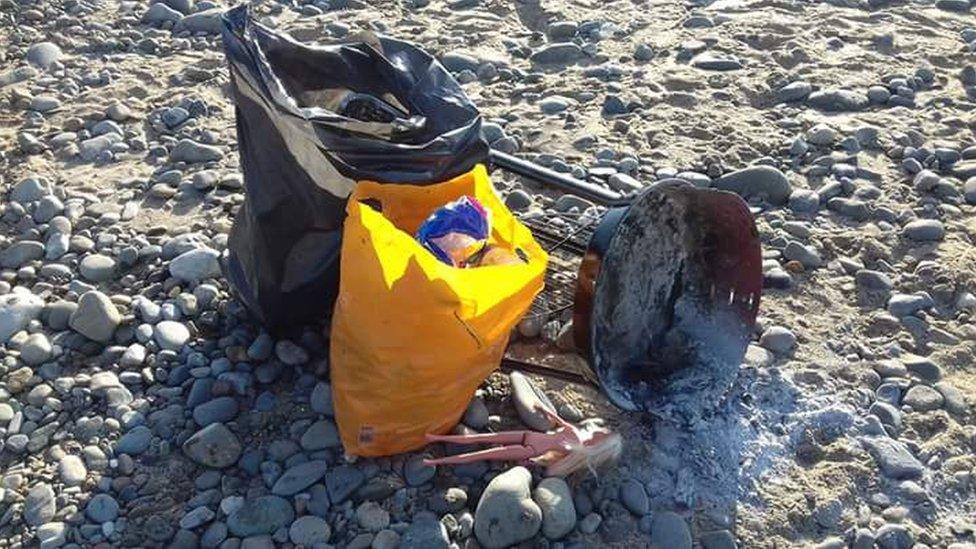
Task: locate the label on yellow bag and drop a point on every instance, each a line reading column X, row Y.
column 412, row 337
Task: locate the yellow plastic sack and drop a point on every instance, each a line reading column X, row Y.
column 412, row 338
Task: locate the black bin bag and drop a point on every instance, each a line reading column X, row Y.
column 312, row 120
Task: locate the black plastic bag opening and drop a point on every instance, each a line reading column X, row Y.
column 312, row 120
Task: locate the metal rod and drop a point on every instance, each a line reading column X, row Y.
column 511, row 364
column 553, row 178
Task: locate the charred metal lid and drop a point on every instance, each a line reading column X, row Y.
column 667, row 296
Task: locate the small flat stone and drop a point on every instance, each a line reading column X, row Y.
column 923, row 398
column 953, row 5
column 171, row 335
column 321, row 399
column 668, row 529
column 135, row 442
column 72, row 470
column 299, row 477
column 372, row 517
column 261, row 515
column 342, row 481
column 19, row 253
column 320, row 435
column 763, row 182
column 196, row 265
column 213, row 446
column 36, row 350
column 560, row 52
column 804, row 253
column 416, row 473
column 924, row 230
column 290, row 353
column 955, row 400
column 506, row 514
column 719, row 539
column 778, row 339
column 634, row 497
column 102, row 508
column 894, row 536
column 17, row 309
column 425, row 532
column 190, row 151
column 922, row 367
column 43, row 54
column 52, row 534
column 527, row 399
column 96, row 317
column 838, row 101
column 711, row 62
column 555, row 500
column 39, row 505
column 794, row 91
column 309, row 530
column 893, row 458
column 219, row 410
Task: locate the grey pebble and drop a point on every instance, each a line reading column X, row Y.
column 555, row 500
column 342, row 481
column 560, row 52
column 634, row 497
column 837, row 100
column 893, row 458
column 320, row 435
column 190, row 151
column 718, row 539
column 425, row 532
column 757, row 181
column 102, row 508
column 195, row 265
column 309, row 531
column 219, row 410
column 171, row 335
column 476, row 414
column 96, row 317
column 20, row 253
column 321, row 399
column 794, row 91
column 668, row 529
column 213, row 446
column 36, row 350
column 712, row 62
column 506, row 514
column 72, row 470
column 923, row 398
column 778, row 339
column 43, row 54
column 261, row 515
column 527, row 398
column 416, row 473
column 134, row 442
column 39, row 505
column 299, row 477
column 924, row 230
column 806, row 254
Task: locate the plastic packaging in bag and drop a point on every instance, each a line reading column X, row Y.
column 456, row 231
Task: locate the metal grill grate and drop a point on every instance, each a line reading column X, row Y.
column 565, row 237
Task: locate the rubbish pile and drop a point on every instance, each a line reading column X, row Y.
column 369, row 202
